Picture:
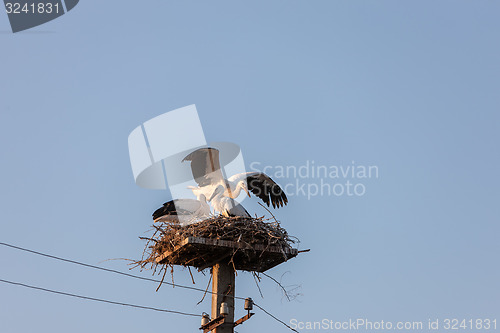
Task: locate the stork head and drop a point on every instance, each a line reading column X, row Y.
column 244, row 185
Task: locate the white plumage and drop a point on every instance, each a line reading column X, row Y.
column 183, row 211
column 205, row 167
column 206, row 171
column 226, row 205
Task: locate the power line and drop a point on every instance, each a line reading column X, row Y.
column 99, row 299
column 124, row 274
column 110, row 270
column 277, row 319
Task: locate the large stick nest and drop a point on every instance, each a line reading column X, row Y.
column 168, row 235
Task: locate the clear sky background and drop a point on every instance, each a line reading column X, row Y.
column 411, row 87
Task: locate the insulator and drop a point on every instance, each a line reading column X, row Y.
column 248, row 304
column 224, row 309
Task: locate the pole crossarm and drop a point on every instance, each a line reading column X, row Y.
column 243, row 319
column 213, row 324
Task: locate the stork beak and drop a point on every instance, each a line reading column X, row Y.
column 246, row 190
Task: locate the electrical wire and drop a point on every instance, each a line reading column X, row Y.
column 99, row 299
column 277, row 319
column 112, row 270
column 124, row 274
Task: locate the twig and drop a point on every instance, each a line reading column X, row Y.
column 279, row 284
column 205, row 293
column 258, row 287
column 163, row 277
column 269, row 212
column 172, row 274
column 192, row 278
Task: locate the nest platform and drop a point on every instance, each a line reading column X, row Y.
column 249, row 244
column 206, row 252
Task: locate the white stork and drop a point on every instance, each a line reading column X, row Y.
column 206, row 171
column 184, row 211
column 226, row 205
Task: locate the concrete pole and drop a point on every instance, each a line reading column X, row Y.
column 223, row 282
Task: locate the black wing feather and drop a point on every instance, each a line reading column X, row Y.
column 262, row 186
column 167, row 209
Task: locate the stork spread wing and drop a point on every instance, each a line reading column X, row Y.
column 167, row 209
column 266, row 189
column 205, row 166
column 174, row 208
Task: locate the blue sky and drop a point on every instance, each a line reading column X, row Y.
column 409, row 87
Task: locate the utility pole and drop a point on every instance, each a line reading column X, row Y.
column 216, row 253
column 223, row 301
column 223, row 285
